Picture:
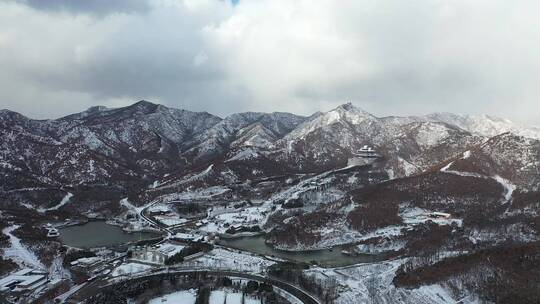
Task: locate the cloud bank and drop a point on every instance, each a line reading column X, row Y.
column 389, row 57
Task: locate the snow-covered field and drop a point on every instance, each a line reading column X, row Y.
column 127, row 204
column 231, row 259
column 372, row 283
column 216, row 297
column 515, row 232
column 179, row 297
column 129, row 269
column 19, row 253
column 339, row 232
column 414, row 216
column 223, row 296
column 247, row 217
column 57, row 270
column 203, row 193
column 64, row 201
column 170, row 220
column 305, row 185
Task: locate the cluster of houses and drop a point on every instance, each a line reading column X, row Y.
column 26, row 282
column 23, row 280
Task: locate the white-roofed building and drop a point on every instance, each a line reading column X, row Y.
column 156, row 254
column 23, row 280
column 364, row 156
column 88, row 265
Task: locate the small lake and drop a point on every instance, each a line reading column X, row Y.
column 99, row 234
column 324, row 257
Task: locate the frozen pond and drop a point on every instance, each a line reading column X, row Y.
column 325, row 257
column 98, row 234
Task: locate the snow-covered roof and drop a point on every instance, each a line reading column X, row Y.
column 366, row 148
column 159, row 208
column 167, row 249
column 86, row 261
column 440, row 214
column 187, row 236
column 23, row 278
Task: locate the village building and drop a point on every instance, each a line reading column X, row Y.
column 438, row 215
column 88, row 265
column 23, row 280
column 159, row 210
column 52, row 232
column 189, row 237
column 364, row 156
column 156, row 254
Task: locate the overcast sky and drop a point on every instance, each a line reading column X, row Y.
column 386, row 56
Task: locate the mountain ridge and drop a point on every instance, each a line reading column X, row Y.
column 432, row 187
column 149, row 139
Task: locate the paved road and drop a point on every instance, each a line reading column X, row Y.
column 63, row 297
column 153, row 223
column 298, row 292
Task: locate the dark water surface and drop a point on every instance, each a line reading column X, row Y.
column 98, row 234
column 324, row 257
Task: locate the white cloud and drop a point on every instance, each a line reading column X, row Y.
column 390, row 57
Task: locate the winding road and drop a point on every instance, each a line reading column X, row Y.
column 92, row 288
column 153, row 223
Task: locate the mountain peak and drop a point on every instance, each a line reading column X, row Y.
column 144, row 104
column 351, row 108
column 11, row 115
column 7, row 112
column 145, row 107
column 347, row 106
column 348, row 112
column 95, row 109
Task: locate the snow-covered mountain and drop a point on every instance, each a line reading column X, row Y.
column 511, row 157
column 485, row 125
column 242, row 129
column 101, row 144
column 442, row 186
column 408, row 144
column 147, row 139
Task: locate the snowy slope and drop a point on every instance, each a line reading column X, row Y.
column 485, row 125
column 148, row 141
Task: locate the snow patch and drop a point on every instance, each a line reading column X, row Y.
column 19, row 253
column 244, row 155
column 130, row 269
column 64, row 201
column 183, row 297
column 408, row 167
column 228, row 259
column 223, row 296
column 507, row 185
column 445, row 168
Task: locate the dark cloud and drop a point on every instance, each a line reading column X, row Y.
column 99, row 7
column 272, row 55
